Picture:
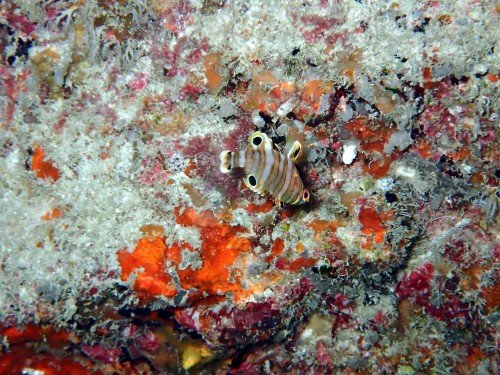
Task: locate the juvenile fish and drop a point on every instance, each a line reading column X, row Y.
column 268, row 170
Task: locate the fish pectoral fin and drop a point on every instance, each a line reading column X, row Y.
column 294, row 152
column 276, row 201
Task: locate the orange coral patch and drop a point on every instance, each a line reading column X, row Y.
column 211, row 276
column 424, row 149
column 276, row 249
column 152, row 281
column 427, row 74
column 310, row 97
column 189, row 216
column 372, row 134
column 23, row 359
column 313, row 90
column 221, row 245
column 492, row 295
column 218, row 254
column 322, row 225
column 33, row 333
column 264, row 93
column 295, row 265
column 283, row 90
column 359, row 127
column 378, row 168
column 190, row 169
column 493, row 78
column 30, row 332
column 319, row 226
column 214, row 78
column 372, row 224
column 286, row 213
column 260, row 208
column 56, row 338
column 462, row 154
column 43, row 168
column 300, row 247
column 477, row 178
column 54, row 214
column 300, row 263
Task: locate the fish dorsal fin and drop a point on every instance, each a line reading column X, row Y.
column 294, row 152
column 258, row 140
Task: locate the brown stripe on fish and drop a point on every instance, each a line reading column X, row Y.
column 248, row 161
column 233, row 160
column 256, row 164
column 259, row 167
column 274, row 172
column 288, row 176
column 279, row 175
column 282, row 182
column 297, row 190
column 267, row 164
column 292, row 188
column 300, row 190
column 287, row 196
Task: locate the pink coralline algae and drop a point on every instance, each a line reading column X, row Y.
column 125, row 250
column 417, row 285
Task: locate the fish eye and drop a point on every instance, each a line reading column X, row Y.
column 305, row 196
column 252, row 180
column 257, row 141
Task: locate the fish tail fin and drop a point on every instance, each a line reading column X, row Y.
column 226, row 161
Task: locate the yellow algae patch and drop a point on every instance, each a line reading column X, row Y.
column 193, row 355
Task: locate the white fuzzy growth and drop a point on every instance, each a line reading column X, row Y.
column 410, row 175
column 249, row 35
column 406, row 172
column 257, row 120
column 282, row 130
column 401, row 139
column 349, row 153
column 226, row 108
column 286, row 107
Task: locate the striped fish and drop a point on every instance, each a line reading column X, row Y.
column 268, row 170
